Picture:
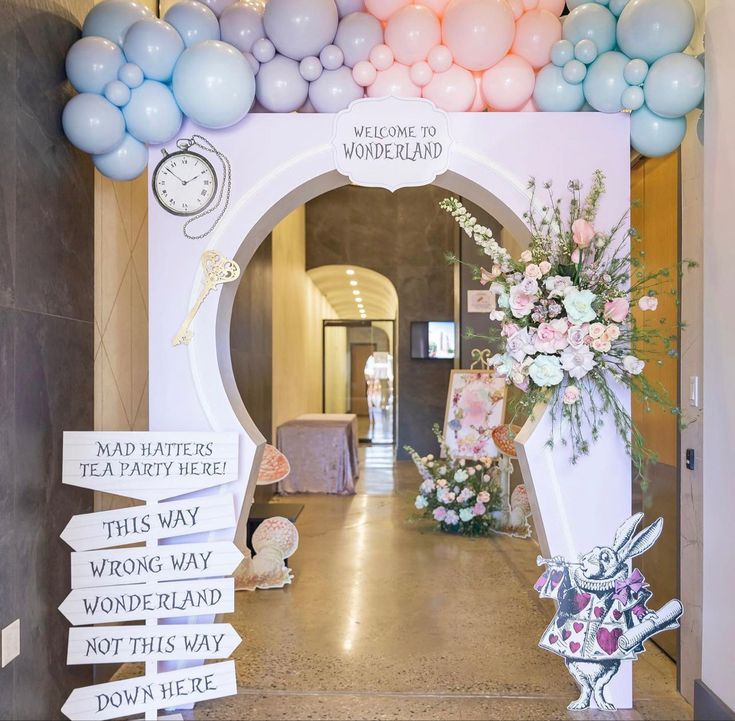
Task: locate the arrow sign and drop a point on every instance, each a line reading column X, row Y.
column 149, row 466
column 154, row 600
column 148, row 693
column 142, row 523
column 117, row 567
column 123, row 644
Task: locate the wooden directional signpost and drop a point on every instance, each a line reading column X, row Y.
column 114, row 580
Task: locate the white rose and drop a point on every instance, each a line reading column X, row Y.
column 578, row 304
column 532, row 271
column 633, row 365
column 526, row 256
column 546, row 371
column 578, row 362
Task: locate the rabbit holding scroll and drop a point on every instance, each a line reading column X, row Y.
column 602, row 617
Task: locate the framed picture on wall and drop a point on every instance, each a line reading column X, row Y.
column 480, row 301
column 475, row 405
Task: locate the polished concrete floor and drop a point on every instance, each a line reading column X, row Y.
column 389, row 619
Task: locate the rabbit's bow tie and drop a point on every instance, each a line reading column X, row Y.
column 626, row 587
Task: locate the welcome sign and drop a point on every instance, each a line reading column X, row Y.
column 391, row 142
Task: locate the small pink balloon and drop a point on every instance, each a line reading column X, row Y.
column 437, row 6
column 536, row 32
column 453, row 90
column 383, row 9
column 440, row 59
column 556, row 7
column 381, row 56
column 364, row 73
column 530, row 4
column 478, row 32
column 508, row 85
column 412, row 32
column 478, row 104
column 421, row 73
column 517, row 7
column 529, row 107
column 396, row 80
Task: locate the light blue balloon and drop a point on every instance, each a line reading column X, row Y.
column 155, row 46
column 310, row 68
column 562, row 51
column 347, row 7
column 263, row 50
column 92, row 123
column 636, row 71
column 126, row 162
column 586, row 51
column 152, row 114
column 633, row 98
column 654, row 136
column 112, row 18
column 299, row 28
column 605, row 82
column 131, row 75
column 92, row 62
column 117, row 93
column 574, row 72
column 280, row 87
column 674, row 85
column 194, row 21
column 593, row 22
column 214, row 84
column 331, row 57
column 241, row 26
column 617, row 6
column 572, row 4
column 357, row 34
column 650, row 29
column 334, row 90
column 554, row 94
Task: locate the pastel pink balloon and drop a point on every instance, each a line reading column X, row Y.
column 453, row 90
column 396, row 80
column 478, row 104
column 412, row 32
column 383, row 9
column 536, row 32
column 437, row 6
column 421, row 73
column 517, row 7
column 440, row 59
column 508, row 85
column 530, row 4
column 529, row 107
column 381, row 56
column 556, row 7
column 364, row 73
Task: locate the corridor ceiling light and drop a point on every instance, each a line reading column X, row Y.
column 349, row 271
column 360, row 306
column 355, row 292
column 353, row 282
column 358, row 300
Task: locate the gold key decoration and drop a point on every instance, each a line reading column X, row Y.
column 217, row 270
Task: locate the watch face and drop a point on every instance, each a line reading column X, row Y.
column 184, row 183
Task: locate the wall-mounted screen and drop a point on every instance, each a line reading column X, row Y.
column 432, row 339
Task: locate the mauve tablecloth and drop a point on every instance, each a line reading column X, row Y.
column 321, row 454
column 350, row 418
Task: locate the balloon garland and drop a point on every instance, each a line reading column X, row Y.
column 216, row 60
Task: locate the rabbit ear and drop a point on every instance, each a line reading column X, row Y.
column 626, row 531
column 643, row 541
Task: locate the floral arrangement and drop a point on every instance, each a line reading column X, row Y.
column 567, row 333
column 460, row 494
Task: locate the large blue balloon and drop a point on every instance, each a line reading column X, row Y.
column 92, row 123
column 554, row 94
column 674, row 85
column 299, row 28
column 214, row 84
column 280, row 87
column 126, row 162
column 194, row 21
column 112, row 18
column 152, row 114
column 242, row 25
column 650, row 29
column 357, row 35
column 334, row 90
column 154, row 46
column 591, row 22
column 605, row 82
column 93, row 62
column 654, row 136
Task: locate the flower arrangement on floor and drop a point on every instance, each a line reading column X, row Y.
column 460, row 494
column 567, row 332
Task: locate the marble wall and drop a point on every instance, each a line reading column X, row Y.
column 46, row 345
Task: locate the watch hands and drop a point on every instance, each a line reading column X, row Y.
column 168, row 170
column 194, row 178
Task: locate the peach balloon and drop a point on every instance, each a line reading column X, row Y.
column 508, row 85
column 383, row 9
column 536, row 32
column 453, row 90
column 529, row 107
column 440, row 59
column 437, row 6
column 478, row 32
column 421, row 73
column 517, row 8
column 530, row 4
column 364, row 73
column 556, row 7
column 396, row 80
column 381, row 56
column 478, row 104
column 412, row 32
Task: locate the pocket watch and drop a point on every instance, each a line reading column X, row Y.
column 184, row 182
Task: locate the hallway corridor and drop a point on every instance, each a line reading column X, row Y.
column 389, row 619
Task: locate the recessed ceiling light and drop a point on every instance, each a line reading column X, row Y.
column 355, row 292
column 361, row 306
column 349, row 271
column 353, row 282
column 358, row 300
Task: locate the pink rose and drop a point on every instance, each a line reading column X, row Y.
column 526, row 256
column 576, row 334
column 576, row 255
column 596, row 330
column 571, row 395
column 550, row 337
column 612, row 332
column 440, row 513
column 648, row 302
column 508, row 330
column 582, row 233
column 617, row 310
column 483, row 497
column 544, row 267
column 601, row 345
column 532, row 271
column 521, row 303
column 486, row 276
column 479, row 509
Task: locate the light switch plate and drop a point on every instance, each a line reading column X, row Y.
column 10, row 642
column 694, row 391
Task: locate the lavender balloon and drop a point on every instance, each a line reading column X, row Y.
column 334, row 90
column 242, row 25
column 279, row 85
column 357, row 35
column 299, row 28
column 345, row 7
